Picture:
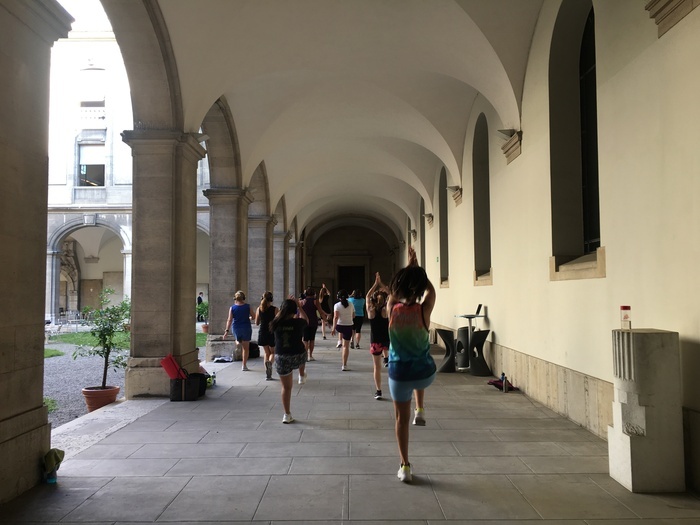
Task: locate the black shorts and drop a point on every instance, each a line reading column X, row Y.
column 310, row 333
column 266, row 339
column 357, row 323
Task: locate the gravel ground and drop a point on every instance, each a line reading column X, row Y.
column 65, row 377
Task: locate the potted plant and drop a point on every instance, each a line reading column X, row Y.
column 203, row 312
column 108, row 327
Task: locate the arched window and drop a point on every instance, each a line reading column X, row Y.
column 574, row 145
column 444, row 237
column 482, row 205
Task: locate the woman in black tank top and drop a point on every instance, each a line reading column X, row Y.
column 379, row 329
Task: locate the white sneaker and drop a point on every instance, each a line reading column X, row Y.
column 287, row 418
column 311, row 358
column 245, row 369
column 339, row 344
column 405, row 473
column 344, row 368
column 302, row 378
column 419, row 417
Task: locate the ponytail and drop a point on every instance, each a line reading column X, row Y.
column 266, row 301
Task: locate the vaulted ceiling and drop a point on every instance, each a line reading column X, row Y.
column 353, row 106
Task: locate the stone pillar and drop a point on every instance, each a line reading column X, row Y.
column 228, row 258
column 292, row 270
column 280, row 280
column 127, row 272
column 164, row 256
column 259, row 256
column 28, row 29
column 645, row 443
column 53, row 284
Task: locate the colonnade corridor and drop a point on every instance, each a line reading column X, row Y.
column 483, row 457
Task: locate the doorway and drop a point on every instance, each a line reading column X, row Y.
column 351, row 278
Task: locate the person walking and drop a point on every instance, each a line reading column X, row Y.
column 313, row 311
column 200, row 300
column 411, row 367
column 290, row 352
column 324, row 297
column 266, row 339
column 379, row 329
column 357, row 298
column 239, row 320
column 343, row 312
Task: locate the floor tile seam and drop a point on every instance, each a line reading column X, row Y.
column 522, row 495
column 601, row 487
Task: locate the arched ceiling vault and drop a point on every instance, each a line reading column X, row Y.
column 347, row 103
column 322, row 224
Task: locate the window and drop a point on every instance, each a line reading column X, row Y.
column 91, row 165
column 482, row 204
column 444, row 237
column 575, row 202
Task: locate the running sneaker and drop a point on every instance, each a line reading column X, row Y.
column 245, row 369
column 386, row 362
column 311, row 358
column 352, row 345
column 268, row 370
column 344, row 368
column 378, row 394
column 287, row 418
column 339, row 344
column 324, row 336
column 302, row 378
column 419, row 417
column 357, row 346
column 405, row 473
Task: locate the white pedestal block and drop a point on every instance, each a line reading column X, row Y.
column 645, row 443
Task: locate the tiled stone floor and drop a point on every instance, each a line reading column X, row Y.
column 485, row 457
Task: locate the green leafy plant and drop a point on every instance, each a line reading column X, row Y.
column 108, row 328
column 51, row 404
column 50, row 352
column 203, row 310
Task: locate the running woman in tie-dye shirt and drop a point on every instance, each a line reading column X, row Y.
column 411, row 367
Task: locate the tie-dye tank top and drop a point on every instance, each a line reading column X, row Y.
column 409, row 348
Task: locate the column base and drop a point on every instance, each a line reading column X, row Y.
column 145, row 377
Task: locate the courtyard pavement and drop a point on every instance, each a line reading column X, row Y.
column 484, row 457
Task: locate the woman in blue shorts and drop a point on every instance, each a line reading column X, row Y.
column 239, row 317
column 411, row 367
column 290, row 352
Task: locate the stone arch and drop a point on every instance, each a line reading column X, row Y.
column 222, row 146
column 142, row 34
column 62, row 231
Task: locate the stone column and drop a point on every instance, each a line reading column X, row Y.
column 53, row 284
column 29, row 29
column 127, row 272
column 164, row 256
column 259, row 256
column 228, row 259
column 279, row 272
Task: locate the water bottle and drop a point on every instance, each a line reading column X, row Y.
column 213, row 379
column 504, row 378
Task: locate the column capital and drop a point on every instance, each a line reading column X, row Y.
column 261, row 220
column 225, row 193
column 139, row 139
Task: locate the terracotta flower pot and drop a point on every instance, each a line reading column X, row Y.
column 205, row 328
column 97, row 397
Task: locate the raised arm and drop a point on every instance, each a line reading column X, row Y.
column 300, row 310
column 428, row 302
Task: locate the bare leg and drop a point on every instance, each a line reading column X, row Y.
column 245, row 351
column 346, row 351
column 310, row 348
column 287, row 392
column 377, row 371
column 420, row 396
column 358, row 335
column 403, row 420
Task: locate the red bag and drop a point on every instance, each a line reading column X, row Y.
column 174, row 370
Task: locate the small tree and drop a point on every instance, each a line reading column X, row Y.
column 203, row 310
column 108, row 324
